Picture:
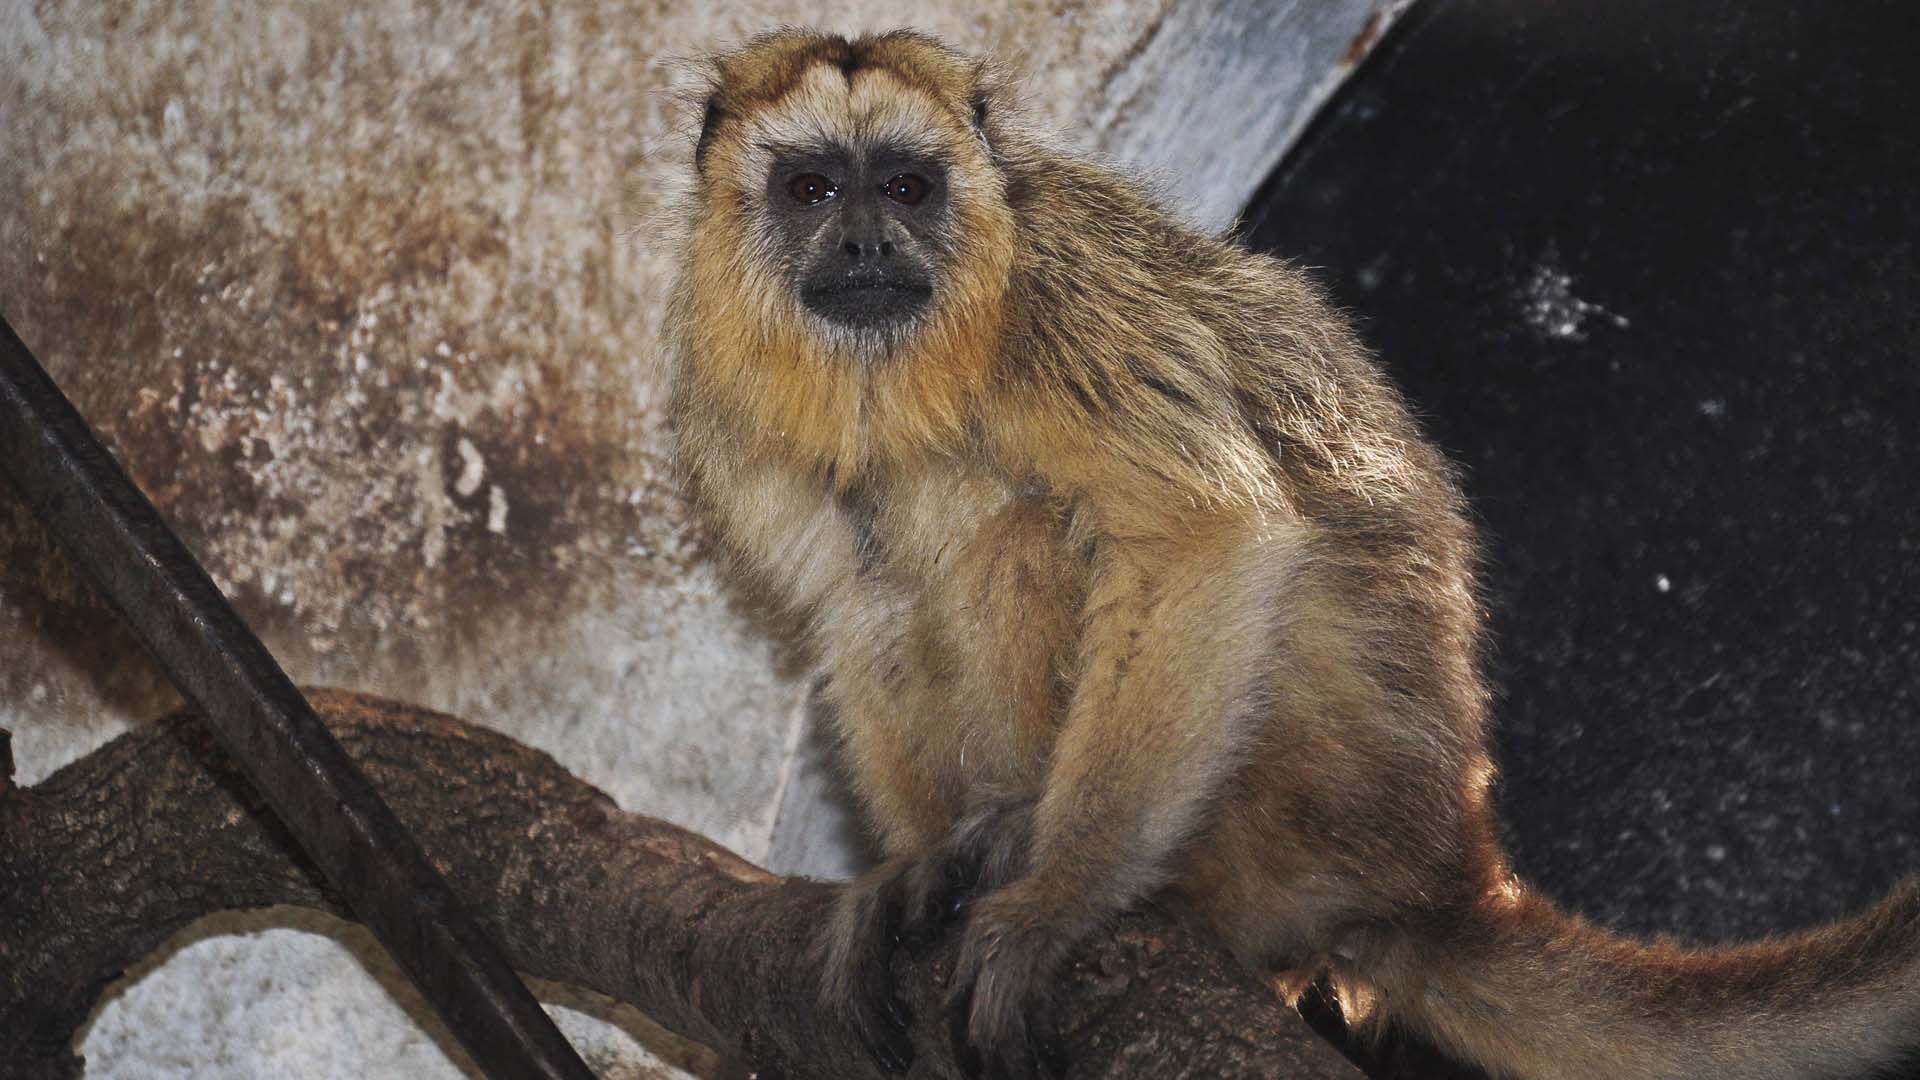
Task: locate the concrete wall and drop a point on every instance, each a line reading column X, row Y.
column 367, row 299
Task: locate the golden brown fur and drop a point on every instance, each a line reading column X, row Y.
column 1130, row 576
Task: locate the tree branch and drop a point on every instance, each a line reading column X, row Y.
column 109, row 856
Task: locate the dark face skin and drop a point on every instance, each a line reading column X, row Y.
column 862, row 231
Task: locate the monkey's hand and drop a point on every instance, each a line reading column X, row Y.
column 1016, row 943
column 911, row 901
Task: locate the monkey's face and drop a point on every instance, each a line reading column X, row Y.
column 861, row 231
column 849, row 205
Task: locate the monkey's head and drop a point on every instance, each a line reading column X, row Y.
column 849, row 245
column 853, row 180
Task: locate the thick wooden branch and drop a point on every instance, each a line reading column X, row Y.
column 107, row 857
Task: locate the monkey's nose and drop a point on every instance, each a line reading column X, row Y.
column 863, row 250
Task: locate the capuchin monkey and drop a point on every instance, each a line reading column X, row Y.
column 1131, row 577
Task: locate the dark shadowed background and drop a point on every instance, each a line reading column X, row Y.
column 1650, row 272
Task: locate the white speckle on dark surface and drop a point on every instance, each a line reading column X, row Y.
column 1374, row 272
column 1662, row 583
column 1550, row 308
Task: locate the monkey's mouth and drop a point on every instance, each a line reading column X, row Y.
column 868, row 301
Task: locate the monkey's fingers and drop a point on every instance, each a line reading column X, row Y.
column 881, row 1019
column 935, row 893
column 959, row 1013
column 892, row 1051
column 857, row 982
column 992, row 1006
column 1016, row 1054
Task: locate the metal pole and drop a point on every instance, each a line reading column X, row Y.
column 101, row 520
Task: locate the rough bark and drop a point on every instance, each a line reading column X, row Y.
column 110, row 855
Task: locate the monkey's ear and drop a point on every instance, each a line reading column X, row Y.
column 709, row 121
column 990, row 90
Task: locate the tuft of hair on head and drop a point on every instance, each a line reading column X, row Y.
column 760, row 71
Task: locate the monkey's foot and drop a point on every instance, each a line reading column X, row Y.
column 912, row 901
column 1009, row 960
column 902, row 902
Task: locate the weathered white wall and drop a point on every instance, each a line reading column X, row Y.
column 1216, row 92
column 366, row 298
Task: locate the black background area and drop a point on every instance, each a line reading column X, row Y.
column 1648, row 270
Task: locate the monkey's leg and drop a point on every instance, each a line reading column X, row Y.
column 1178, row 634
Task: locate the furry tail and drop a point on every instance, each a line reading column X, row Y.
column 1527, row 991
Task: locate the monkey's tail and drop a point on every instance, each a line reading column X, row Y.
column 1527, row 991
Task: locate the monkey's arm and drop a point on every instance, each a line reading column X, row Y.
column 1179, row 634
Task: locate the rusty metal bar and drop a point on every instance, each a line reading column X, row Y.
column 103, row 522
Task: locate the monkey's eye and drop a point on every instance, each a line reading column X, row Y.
column 810, row 188
column 906, row 189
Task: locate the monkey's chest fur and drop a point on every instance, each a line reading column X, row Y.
column 954, row 646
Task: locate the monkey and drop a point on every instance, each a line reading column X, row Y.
column 1131, row 578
